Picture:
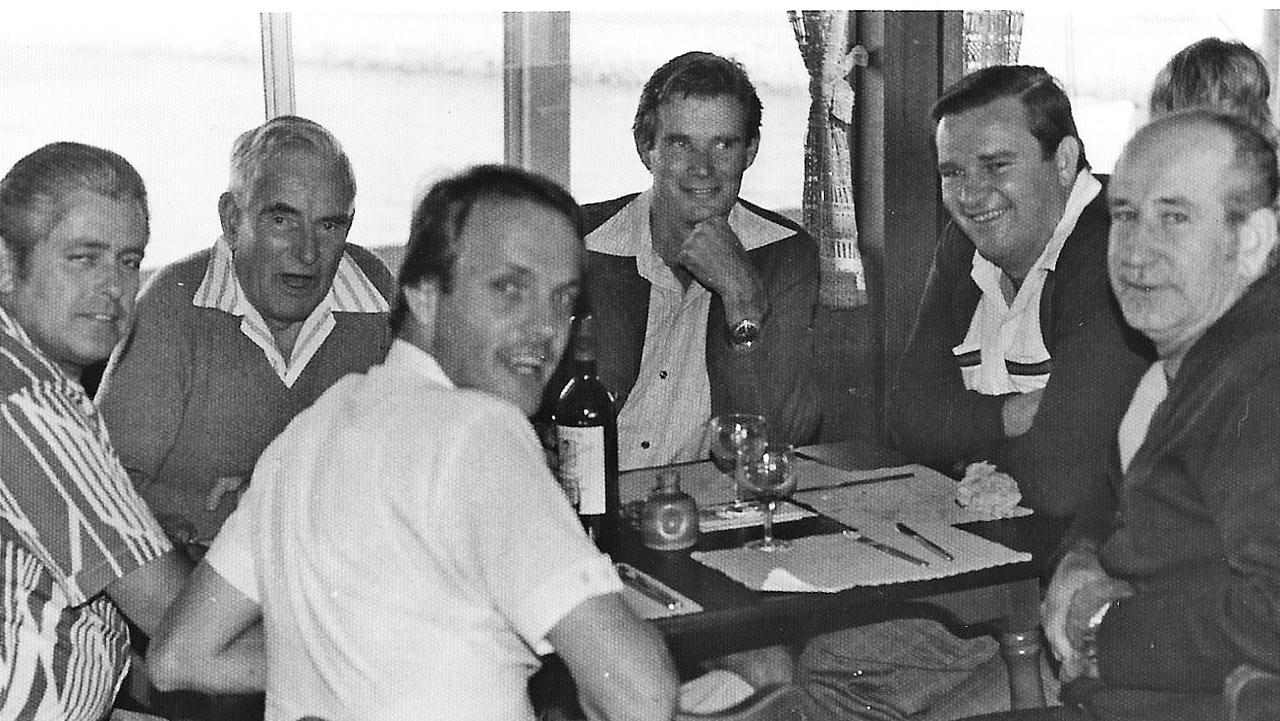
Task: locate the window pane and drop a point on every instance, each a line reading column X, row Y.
column 168, row 91
column 1107, row 60
column 615, row 53
column 412, row 98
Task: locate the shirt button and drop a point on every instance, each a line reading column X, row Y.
column 662, row 374
column 644, row 445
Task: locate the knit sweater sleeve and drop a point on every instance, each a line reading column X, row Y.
column 933, row 417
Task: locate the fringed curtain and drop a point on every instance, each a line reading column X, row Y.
column 828, row 172
column 991, row 37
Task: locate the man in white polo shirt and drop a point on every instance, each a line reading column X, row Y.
column 403, row 543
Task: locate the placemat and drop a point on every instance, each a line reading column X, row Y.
column 924, row 496
column 833, row 563
column 723, row 516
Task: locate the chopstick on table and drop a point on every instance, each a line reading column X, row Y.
column 901, row 475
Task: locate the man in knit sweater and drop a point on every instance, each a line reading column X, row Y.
column 232, row 342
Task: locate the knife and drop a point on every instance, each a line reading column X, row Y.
column 853, row 533
column 640, row 582
column 854, row 482
column 906, row 530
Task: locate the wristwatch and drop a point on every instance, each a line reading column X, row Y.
column 745, row 333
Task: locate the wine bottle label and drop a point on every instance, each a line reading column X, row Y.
column 582, row 465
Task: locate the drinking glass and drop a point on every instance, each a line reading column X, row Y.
column 736, row 437
column 771, row 476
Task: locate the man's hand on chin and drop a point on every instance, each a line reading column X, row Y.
column 715, row 257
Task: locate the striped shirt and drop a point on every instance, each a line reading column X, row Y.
column 351, row 292
column 70, row 524
column 1004, row 350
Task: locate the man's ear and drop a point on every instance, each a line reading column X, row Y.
column 421, row 301
column 1255, row 240
column 1066, row 160
column 8, row 269
column 646, row 153
column 229, row 215
column 752, row 148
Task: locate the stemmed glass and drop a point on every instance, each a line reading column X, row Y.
column 771, row 475
column 734, row 437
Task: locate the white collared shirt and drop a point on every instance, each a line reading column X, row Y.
column 1151, row 390
column 351, row 292
column 664, row 418
column 1003, row 351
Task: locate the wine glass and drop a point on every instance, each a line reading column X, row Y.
column 734, row 437
column 771, row 476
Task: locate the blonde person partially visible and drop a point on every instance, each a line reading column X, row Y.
column 1215, row 74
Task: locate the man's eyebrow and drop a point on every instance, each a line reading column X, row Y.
column 340, row 218
column 279, row 207
column 997, row 155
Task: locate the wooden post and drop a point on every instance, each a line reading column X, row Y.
column 913, row 56
column 536, row 91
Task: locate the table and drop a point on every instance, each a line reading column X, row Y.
column 736, row 617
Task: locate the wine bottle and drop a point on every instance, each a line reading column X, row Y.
column 587, row 440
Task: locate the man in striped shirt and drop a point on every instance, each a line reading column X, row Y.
column 77, row 543
column 232, row 342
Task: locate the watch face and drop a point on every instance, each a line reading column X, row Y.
column 745, row 333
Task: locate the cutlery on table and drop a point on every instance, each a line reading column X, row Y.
column 901, row 475
column 906, row 530
column 639, row 581
column 855, row 534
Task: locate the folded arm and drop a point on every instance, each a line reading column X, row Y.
column 933, row 417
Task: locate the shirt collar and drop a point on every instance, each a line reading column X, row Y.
column 10, row 327
column 627, row 233
column 1083, row 191
column 404, row 354
column 350, row 292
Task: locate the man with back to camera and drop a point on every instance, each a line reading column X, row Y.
column 1169, row 579
column 81, row 550
column 234, row 341
column 1019, row 355
column 403, row 542
column 703, row 301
